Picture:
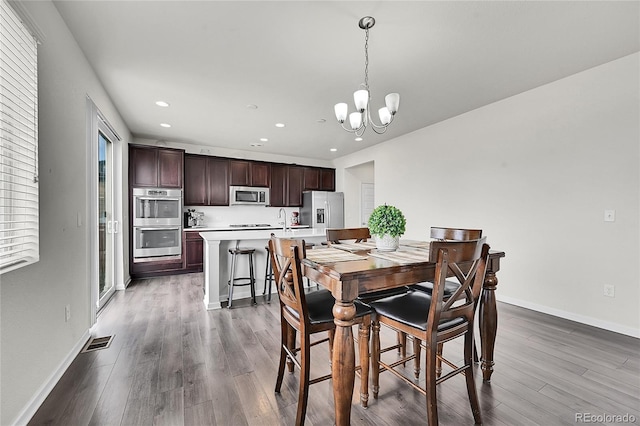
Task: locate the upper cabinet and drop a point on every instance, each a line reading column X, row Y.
column 286, row 185
column 249, row 173
column 155, row 167
column 311, row 178
column 218, row 178
column 319, row 179
column 206, row 180
column 196, row 192
column 327, row 179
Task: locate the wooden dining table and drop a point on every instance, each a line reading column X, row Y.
column 359, row 268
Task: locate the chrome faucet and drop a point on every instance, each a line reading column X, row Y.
column 283, row 213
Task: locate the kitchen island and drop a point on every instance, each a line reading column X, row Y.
column 216, row 258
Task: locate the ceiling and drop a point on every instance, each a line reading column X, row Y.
column 294, row 60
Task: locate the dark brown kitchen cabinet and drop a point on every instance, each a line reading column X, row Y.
column 260, row 174
column 319, row 179
column 296, row 182
column 311, row 178
column 155, row 167
column 193, row 250
column 240, row 172
column 206, row 180
column 195, row 180
column 249, row 173
column 327, row 179
column 218, row 178
column 286, row 185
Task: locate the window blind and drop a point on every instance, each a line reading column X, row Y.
column 18, row 143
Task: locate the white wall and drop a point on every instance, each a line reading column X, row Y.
column 354, row 177
column 35, row 340
column 536, row 172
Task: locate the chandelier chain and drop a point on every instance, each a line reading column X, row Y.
column 366, row 59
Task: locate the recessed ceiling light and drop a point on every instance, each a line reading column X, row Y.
column 162, row 104
column 333, row 149
column 264, row 140
column 165, row 125
column 256, row 144
column 252, row 106
column 279, row 124
column 358, row 139
column 322, row 120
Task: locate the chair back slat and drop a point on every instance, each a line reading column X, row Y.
column 335, row 235
column 455, row 234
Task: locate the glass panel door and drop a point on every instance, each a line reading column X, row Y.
column 106, row 225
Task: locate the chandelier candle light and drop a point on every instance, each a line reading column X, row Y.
column 360, row 119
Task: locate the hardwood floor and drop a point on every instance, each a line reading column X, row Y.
column 172, row 362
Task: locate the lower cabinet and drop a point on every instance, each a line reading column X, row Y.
column 192, row 251
column 156, row 268
column 190, row 261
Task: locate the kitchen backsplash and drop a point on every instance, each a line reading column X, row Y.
column 233, row 215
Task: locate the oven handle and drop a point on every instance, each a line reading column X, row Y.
column 158, row 198
column 157, row 228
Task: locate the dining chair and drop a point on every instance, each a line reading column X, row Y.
column 360, row 235
column 307, row 314
column 433, row 319
column 450, row 285
column 336, row 235
column 448, row 234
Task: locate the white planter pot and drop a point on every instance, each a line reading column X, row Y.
column 387, row 242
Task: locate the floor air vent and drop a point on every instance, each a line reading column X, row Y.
column 96, row 343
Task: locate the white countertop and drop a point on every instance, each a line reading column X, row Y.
column 236, row 229
column 260, row 234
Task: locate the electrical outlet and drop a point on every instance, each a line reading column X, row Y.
column 67, row 313
column 609, row 290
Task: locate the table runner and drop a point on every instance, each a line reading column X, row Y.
column 330, row 255
column 402, row 256
column 367, row 245
column 415, row 244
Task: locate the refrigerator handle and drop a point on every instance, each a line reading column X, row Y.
column 328, row 208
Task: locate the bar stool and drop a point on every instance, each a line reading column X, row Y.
column 268, row 275
column 233, row 280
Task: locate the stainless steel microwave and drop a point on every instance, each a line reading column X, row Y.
column 248, row 195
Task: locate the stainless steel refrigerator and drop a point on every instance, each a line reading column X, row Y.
column 322, row 209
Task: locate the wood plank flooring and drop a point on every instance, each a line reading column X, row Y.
column 174, row 363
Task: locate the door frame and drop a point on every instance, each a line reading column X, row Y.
column 96, row 121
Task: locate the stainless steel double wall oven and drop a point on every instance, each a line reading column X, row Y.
column 157, row 223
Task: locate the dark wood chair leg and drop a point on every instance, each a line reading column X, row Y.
column 332, row 334
column 375, row 357
column 439, row 360
column 303, row 394
column 430, row 372
column 291, row 344
column 468, row 374
column 284, row 327
column 416, row 361
column 402, row 342
column 363, row 343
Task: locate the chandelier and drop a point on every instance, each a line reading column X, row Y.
column 361, row 118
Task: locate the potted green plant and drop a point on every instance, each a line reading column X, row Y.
column 387, row 224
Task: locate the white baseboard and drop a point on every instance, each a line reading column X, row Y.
column 595, row 322
column 123, row 286
column 36, row 401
